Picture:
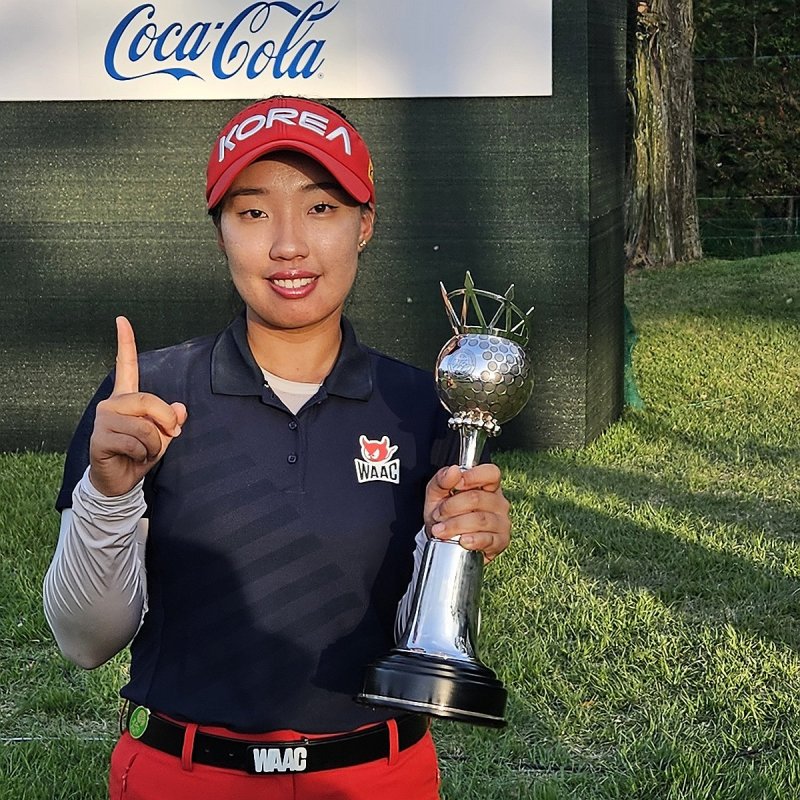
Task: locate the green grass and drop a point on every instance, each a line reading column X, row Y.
column 645, row 618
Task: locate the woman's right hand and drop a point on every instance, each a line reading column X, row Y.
column 132, row 429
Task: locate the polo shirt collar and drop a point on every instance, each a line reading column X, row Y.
column 234, row 371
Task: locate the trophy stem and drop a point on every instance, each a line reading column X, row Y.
column 471, row 445
column 434, row 669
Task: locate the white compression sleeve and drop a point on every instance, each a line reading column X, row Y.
column 404, row 606
column 95, row 590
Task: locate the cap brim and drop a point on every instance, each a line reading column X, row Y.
column 348, row 179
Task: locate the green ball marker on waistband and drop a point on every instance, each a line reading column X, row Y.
column 137, row 724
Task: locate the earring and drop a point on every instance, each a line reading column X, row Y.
column 362, row 244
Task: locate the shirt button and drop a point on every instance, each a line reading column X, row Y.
column 292, row 425
column 291, row 458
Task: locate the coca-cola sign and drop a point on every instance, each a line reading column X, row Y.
column 274, row 38
column 122, row 49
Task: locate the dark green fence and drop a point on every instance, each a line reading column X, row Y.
column 103, row 214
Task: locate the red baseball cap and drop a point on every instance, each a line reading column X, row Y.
column 290, row 123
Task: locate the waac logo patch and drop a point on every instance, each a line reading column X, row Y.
column 377, row 464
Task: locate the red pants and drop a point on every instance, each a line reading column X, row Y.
column 139, row 772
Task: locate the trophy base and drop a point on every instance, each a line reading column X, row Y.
column 439, row 687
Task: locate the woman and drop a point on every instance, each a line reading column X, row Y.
column 214, row 514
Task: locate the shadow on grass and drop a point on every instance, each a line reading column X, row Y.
column 732, row 449
column 683, row 574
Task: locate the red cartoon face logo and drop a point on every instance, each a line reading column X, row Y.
column 376, row 451
column 377, row 464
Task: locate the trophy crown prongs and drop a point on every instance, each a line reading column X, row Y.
column 505, row 313
column 470, row 300
column 455, row 324
column 504, row 307
column 522, row 328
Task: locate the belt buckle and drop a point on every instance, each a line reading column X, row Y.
column 277, row 758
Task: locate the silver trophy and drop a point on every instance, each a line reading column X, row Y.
column 483, row 378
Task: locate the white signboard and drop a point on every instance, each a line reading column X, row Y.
column 205, row 49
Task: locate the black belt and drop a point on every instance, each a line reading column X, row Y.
column 304, row 755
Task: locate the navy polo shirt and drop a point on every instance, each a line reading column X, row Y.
column 279, row 544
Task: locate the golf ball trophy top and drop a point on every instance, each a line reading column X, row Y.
column 483, row 378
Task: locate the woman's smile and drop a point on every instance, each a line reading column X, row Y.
column 293, row 286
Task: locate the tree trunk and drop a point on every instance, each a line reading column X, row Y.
column 661, row 207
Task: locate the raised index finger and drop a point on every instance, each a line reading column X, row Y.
column 126, row 379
